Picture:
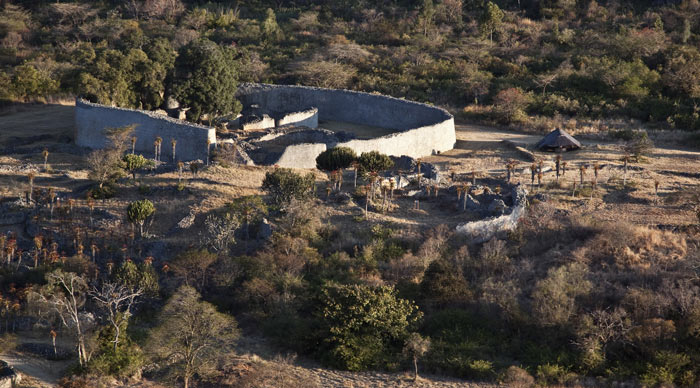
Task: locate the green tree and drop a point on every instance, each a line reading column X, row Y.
column 139, row 211
column 205, row 80
column 443, row 283
column 191, row 336
column 270, row 29
column 490, row 20
column 364, row 326
column 374, row 161
column 138, row 276
column 336, row 158
column 133, row 163
column 282, row 185
column 28, row 82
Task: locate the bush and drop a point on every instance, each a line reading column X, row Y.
column 549, row 374
column 282, row 185
column 443, row 283
column 364, row 326
column 335, row 159
column 517, row 377
column 374, row 161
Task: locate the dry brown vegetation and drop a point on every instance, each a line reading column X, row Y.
column 621, row 255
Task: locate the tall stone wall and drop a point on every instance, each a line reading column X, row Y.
column 421, row 129
column 305, row 118
column 91, row 120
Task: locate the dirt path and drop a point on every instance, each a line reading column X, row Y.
column 39, row 372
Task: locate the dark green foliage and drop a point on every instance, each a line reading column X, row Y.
column 443, row 283
column 364, row 325
column 374, row 161
column 282, row 185
column 134, row 163
column 137, row 276
column 139, row 211
column 124, row 362
column 205, row 80
column 335, row 158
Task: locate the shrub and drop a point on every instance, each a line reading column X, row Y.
column 335, row 159
column 548, row 374
column 443, row 283
column 282, row 185
column 364, row 326
column 667, row 368
column 517, row 377
column 509, row 105
column 554, row 296
column 374, row 161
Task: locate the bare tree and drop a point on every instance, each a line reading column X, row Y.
column 116, row 300
column 65, row 295
column 416, row 346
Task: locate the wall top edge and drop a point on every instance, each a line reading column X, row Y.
column 79, row 102
column 259, row 86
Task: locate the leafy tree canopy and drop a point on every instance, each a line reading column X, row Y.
column 335, row 158
column 205, row 80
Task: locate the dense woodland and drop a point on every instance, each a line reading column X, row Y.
column 533, row 64
column 562, row 298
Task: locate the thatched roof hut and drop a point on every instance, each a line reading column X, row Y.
column 558, row 140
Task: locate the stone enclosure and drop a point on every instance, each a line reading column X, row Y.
column 417, row 129
column 291, row 115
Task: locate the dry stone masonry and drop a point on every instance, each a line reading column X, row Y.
column 291, row 115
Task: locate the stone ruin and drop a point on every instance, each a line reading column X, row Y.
column 280, row 126
column 8, row 376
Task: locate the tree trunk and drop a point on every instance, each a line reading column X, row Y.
column 415, row 368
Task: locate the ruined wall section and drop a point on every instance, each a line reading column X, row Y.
column 304, row 118
column 91, row 120
column 484, row 230
column 421, row 129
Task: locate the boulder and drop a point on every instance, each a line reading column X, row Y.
column 497, row 207
column 8, row 376
column 472, row 203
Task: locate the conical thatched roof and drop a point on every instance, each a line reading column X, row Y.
column 558, row 140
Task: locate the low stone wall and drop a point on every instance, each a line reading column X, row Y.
column 91, row 120
column 305, row 118
column 265, row 122
column 421, row 129
column 297, row 155
column 484, row 230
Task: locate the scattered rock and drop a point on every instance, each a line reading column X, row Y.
column 8, row 376
column 541, row 197
column 497, row 207
column 343, row 197
column 188, row 221
column 473, row 204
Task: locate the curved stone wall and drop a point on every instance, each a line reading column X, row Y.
column 304, row 118
column 421, row 129
column 92, row 119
